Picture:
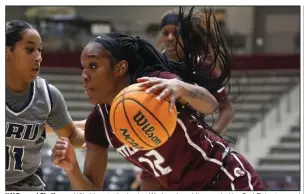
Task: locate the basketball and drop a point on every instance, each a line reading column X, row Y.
column 141, row 121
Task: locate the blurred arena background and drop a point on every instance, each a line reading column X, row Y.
column 266, row 63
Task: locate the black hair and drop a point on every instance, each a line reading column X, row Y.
column 142, row 57
column 13, row 32
column 201, row 35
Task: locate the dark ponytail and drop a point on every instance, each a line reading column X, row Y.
column 13, row 32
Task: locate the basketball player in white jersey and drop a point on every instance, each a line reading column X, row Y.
column 30, row 103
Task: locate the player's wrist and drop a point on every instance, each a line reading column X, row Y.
column 74, row 169
column 182, row 89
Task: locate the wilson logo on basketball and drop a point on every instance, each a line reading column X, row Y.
column 146, row 127
column 128, row 138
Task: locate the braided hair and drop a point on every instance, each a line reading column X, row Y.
column 142, row 57
column 201, row 36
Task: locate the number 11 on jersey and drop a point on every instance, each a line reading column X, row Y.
column 17, row 153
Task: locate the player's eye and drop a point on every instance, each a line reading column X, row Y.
column 30, row 50
column 92, row 65
column 165, row 33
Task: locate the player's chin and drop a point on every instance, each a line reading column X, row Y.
column 33, row 75
column 93, row 99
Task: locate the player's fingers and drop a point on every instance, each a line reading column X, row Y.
column 143, row 79
column 60, row 147
column 65, row 139
column 149, row 83
column 59, row 153
column 172, row 102
column 62, row 142
column 57, row 159
column 164, row 94
column 156, row 89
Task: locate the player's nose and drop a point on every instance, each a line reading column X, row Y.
column 85, row 76
column 38, row 59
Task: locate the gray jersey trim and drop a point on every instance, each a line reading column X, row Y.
column 47, row 95
column 23, row 110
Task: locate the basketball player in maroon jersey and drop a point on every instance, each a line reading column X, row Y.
column 169, row 42
column 194, row 158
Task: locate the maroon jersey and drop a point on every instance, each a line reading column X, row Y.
column 189, row 160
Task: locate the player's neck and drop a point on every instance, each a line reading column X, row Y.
column 15, row 85
column 120, row 85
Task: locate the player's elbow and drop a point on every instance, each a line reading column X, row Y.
column 77, row 138
column 210, row 106
column 226, row 108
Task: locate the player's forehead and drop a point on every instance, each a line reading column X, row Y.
column 95, row 51
column 92, row 50
column 30, row 37
column 169, row 27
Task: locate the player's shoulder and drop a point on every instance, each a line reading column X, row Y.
column 98, row 113
column 94, row 124
column 101, row 109
column 44, row 82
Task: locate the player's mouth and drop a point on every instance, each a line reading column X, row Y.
column 170, row 48
column 88, row 91
column 36, row 69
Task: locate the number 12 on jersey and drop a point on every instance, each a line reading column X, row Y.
column 17, row 153
column 155, row 164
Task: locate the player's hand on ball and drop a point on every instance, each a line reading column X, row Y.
column 63, row 154
column 166, row 88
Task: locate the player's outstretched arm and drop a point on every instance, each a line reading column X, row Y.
column 60, row 120
column 75, row 134
column 63, row 155
column 197, row 97
column 80, row 124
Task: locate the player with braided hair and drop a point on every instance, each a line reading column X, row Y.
column 209, row 65
column 192, row 158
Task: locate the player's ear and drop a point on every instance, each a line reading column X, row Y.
column 121, row 68
column 8, row 53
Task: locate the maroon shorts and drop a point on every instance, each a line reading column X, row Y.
column 237, row 174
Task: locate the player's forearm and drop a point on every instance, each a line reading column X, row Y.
column 198, row 98
column 79, row 181
column 226, row 115
column 77, row 138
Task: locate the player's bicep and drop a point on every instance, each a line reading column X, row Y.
column 95, row 164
